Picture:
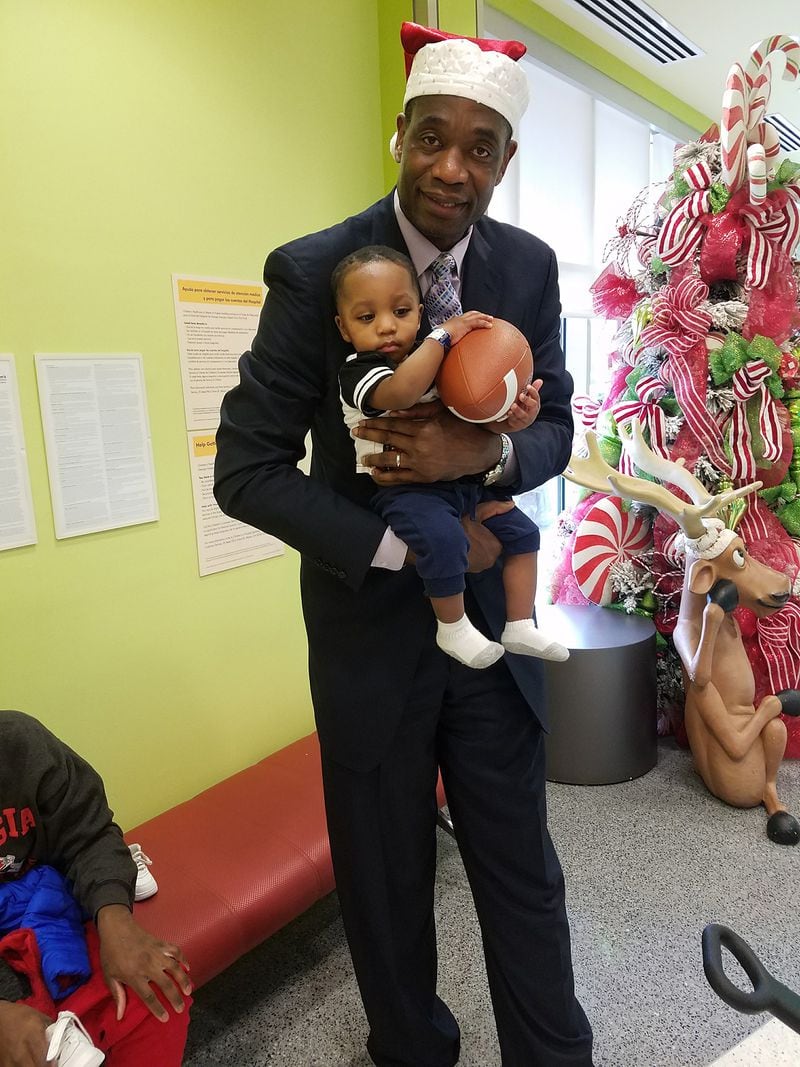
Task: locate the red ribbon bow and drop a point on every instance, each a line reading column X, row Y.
column 683, row 227
column 747, row 381
column 779, row 641
column 677, row 324
column 587, row 410
column 646, row 409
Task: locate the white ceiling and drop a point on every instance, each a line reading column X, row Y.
column 724, row 29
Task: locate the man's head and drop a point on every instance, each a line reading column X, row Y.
column 463, row 103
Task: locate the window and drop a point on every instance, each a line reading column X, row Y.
column 580, row 163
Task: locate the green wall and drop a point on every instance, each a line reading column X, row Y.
column 138, row 140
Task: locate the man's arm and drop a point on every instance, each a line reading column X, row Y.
column 83, row 841
column 284, row 383
column 87, row 846
column 543, row 449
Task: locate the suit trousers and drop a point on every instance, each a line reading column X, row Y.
column 475, row 726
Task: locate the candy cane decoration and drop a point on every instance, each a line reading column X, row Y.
column 744, row 106
column 733, row 130
column 757, row 172
column 758, row 74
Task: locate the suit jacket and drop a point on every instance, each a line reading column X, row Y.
column 367, row 626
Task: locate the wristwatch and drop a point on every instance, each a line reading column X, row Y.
column 494, row 474
column 441, row 335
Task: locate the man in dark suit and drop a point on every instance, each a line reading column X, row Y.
column 390, row 707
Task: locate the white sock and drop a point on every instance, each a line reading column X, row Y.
column 523, row 638
column 466, row 644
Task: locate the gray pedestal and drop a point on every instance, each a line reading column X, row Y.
column 602, row 700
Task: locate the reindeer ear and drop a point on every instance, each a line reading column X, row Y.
column 702, row 576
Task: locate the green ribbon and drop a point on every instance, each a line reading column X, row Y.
column 735, row 352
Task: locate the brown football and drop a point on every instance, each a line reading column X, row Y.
column 484, row 373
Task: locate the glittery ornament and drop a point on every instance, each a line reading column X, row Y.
column 789, row 515
column 649, row 602
column 733, row 514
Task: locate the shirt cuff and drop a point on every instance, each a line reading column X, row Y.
column 391, row 553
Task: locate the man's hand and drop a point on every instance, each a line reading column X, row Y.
column 132, row 957
column 22, row 1036
column 484, row 548
column 426, row 444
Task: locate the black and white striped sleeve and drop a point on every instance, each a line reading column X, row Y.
column 358, row 377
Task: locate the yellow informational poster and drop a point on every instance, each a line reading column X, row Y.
column 97, row 439
column 222, row 542
column 17, row 523
column 216, row 320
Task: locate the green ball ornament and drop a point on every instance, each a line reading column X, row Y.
column 789, row 516
column 606, row 425
column 610, row 449
column 649, row 602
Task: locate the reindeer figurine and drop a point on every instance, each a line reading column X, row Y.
column 737, row 747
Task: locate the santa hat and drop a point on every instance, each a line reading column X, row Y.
column 444, row 64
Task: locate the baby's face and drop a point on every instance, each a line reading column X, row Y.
column 379, row 310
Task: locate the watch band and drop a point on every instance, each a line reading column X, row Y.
column 440, row 334
column 494, row 474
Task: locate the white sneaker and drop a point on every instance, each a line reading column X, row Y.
column 70, row 1045
column 146, row 884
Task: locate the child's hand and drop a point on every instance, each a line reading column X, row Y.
column 524, row 410
column 460, row 325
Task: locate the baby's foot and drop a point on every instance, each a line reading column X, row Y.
column 466, row 644
column 523, row 638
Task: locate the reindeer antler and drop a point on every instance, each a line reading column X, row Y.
column 666, row 470
column 594, row 473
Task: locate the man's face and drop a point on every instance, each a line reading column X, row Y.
column 453, row 152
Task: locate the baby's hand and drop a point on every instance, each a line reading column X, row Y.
column 460, row 325
column 524, row 410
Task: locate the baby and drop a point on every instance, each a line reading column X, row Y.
column 378, row 312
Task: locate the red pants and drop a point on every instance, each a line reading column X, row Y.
column 137, row 1039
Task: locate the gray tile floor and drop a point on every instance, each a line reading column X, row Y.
column 648, row 863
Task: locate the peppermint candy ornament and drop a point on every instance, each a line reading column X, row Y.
column 606, row 535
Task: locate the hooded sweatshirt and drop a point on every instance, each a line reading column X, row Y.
column 53, row 810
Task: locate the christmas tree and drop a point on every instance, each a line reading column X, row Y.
column 701, row 281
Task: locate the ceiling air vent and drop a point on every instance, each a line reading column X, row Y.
column 787, row 132
column 641, row 27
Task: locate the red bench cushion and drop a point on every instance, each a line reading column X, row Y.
column 239, row 860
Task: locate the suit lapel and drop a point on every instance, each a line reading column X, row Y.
column 385, row 230
column 480, row 289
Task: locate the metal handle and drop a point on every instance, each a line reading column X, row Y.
column 767, row 994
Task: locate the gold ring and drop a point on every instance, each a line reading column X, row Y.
column 397, row 459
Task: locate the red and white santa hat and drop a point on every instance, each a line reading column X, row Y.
column 483, row 70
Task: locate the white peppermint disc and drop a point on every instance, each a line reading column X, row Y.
column 607, row 534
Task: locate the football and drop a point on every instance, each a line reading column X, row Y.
column 484, row 373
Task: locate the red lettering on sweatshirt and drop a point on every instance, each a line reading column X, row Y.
column 16, row 823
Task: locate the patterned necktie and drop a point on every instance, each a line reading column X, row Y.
column 441, row 300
